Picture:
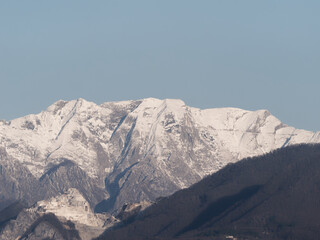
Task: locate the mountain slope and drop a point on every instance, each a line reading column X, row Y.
column 54, row 217
column 16, row 182
column 274, row 196
column 140, row 150
column 31, row 226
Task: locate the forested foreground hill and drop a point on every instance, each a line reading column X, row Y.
column 274, row 196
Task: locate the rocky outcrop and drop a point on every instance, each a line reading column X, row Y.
column 32, row 226
column 65, row 216
column 129, row 211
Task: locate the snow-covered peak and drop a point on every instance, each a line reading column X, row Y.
column 154, row 102
column 150, row 147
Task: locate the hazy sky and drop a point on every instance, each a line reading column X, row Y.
column 247, row 54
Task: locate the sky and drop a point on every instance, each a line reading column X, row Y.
column 248, row 54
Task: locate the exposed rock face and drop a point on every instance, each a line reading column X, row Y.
column 131, row 210
column 71, row 206
column 9, row 213
column 66, row 216
column 137, row 150
column 67, row 175
column 32, row 226
column 16, row 182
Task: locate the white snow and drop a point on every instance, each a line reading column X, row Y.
column 72, row 129
column 167, row 133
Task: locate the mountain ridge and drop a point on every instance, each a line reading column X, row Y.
column 272, row 196
column 143, row 148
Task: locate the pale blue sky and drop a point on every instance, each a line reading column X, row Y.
column 247, row 54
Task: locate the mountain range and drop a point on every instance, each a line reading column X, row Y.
column 130, row 151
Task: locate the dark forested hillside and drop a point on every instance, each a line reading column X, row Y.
column 274, row 196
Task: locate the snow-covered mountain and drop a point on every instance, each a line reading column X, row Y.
column 138, row 150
